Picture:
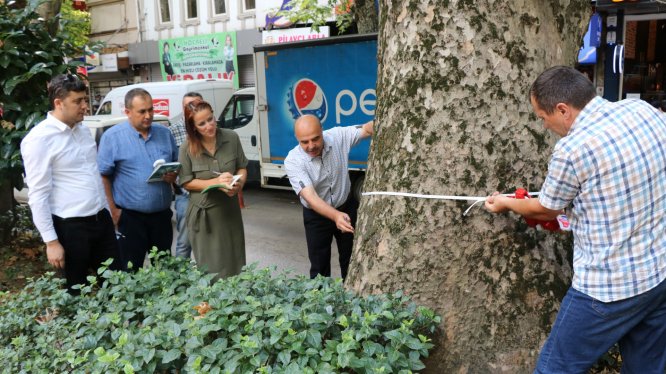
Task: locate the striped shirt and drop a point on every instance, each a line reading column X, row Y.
column 326, row 173
column 612, row 167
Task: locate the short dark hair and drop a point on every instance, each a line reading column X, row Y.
column 562, row 84
column 61, row 85
column 134, row 92
column 193, row 94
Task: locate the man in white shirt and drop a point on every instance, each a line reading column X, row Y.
column 65, row 191
column 317, row 171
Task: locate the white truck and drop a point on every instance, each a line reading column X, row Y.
column 168, row 96
column 332, row 78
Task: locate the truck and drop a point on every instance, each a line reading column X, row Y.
column 168, row 96
column 332, row 78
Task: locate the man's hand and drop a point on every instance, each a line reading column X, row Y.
column 115, row 215
column 496, row 203
column 170, row 177
column 343, row 222
column 55, row 253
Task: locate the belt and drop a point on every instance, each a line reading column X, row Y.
column 93, row 218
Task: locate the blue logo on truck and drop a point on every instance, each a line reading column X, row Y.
column 307, row 97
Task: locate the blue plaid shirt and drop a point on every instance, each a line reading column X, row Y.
column 612, row 167
column 178, row 131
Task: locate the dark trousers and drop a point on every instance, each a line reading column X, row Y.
column 319, row 233
column 140, row 232
column 88, row 241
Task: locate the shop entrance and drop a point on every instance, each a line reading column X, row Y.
column 644, row 74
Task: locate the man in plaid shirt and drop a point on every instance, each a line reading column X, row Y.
column 610, row 166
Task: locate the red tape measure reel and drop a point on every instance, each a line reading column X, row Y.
column 560, row 223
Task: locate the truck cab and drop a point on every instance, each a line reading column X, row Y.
column 240, row 115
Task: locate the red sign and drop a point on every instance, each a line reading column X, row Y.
column 161, row 106
column 81, row 70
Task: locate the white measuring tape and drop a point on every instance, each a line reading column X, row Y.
column 475, row 199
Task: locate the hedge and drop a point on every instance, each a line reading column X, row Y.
column 171, row 316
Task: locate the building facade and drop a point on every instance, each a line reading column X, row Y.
column 631, row 59
column 135, row 32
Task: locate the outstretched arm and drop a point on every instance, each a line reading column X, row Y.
column 529, row 208
column 341, row 219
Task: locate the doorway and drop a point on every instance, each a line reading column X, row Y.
column 644, row 75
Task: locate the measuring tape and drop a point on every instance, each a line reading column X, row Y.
column 559, row 223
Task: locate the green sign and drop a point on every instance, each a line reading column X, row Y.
column 211, row 56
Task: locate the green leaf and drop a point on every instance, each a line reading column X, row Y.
column 344, row 359
column 313, row 338
column 284, row 357
column 12, row 83
column 4, row 60
column 128, row 369
column 109, row 357
column 170, row 356
column 148, row 356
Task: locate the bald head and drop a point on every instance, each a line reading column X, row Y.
column 309, row 134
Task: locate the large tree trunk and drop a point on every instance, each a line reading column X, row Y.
column 453, row 118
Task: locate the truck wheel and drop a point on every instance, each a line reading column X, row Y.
column 357, row 186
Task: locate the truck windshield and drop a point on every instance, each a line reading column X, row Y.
column 237, row 113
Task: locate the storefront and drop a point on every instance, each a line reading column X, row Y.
column 634, row 52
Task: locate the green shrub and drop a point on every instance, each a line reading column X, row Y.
column 170, row 316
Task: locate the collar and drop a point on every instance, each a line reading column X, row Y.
column 150, row 130
column 59, row 124
column 589, row 109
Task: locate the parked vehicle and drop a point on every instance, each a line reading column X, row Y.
column 168, row 96
column 332, row 78
column 99, row 124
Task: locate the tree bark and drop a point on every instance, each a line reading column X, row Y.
column 365, row 16
column 453, row 118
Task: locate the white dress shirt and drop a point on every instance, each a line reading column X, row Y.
column 61, row 174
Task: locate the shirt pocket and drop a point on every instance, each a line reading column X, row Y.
column 228, row 165
column 201, row 170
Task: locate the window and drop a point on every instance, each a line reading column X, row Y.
column 248, row 5
column 237, row 113
column 165, row 11
column 191, row 9
column 219, row 7
column 104, row 108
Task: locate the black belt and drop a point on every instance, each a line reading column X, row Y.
column 93, row 218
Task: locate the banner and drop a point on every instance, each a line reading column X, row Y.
column 211, row 56
column 293, row 35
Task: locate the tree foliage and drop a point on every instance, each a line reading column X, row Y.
column 29, row 56
column 309, row 11
column 77, row 26
column 32, row 50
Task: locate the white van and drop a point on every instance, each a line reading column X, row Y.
column 99, row 124
column 168, row 96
